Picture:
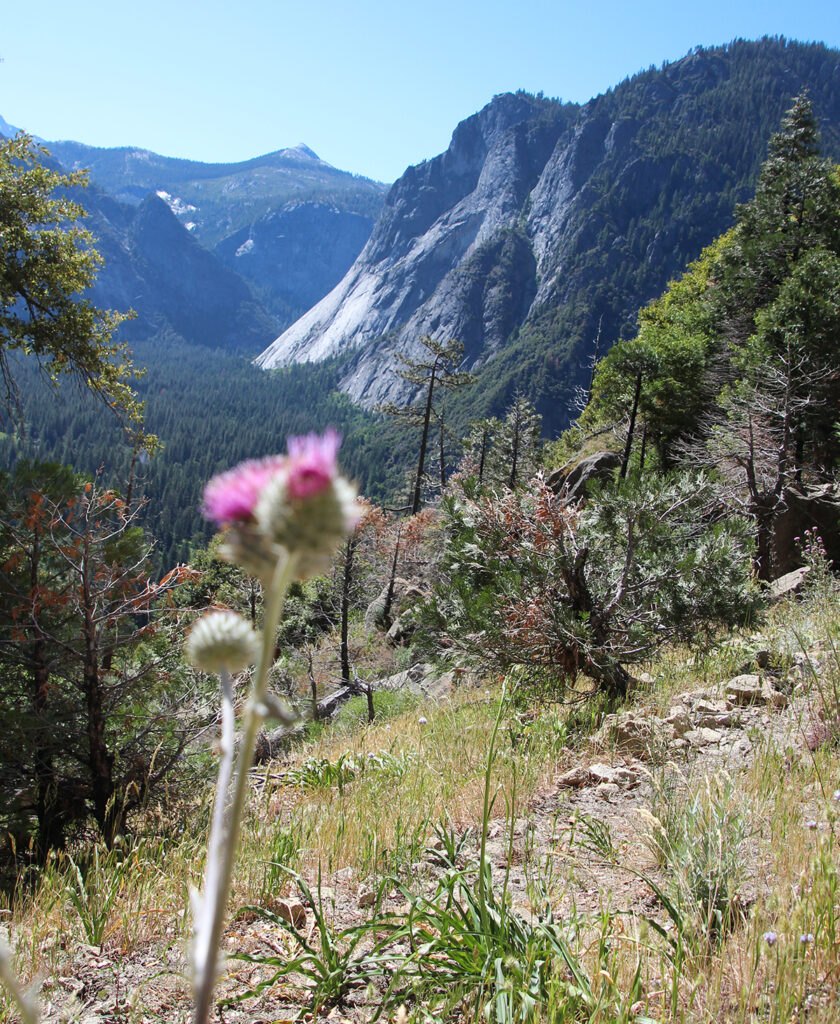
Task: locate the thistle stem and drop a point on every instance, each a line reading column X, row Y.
column 224, row 834
column 26, row 1004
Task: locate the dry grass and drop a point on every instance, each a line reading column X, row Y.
column 426, row 764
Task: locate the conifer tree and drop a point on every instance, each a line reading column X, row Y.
column 47, row 262
column 439, row 368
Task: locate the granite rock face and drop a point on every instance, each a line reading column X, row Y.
column 287, row 224
column 543, row 220
column 294, row 255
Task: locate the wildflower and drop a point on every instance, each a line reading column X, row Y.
column 232, row 497
column 421, row 720
column 805, row 939
column 309, row 508
column 311, row 465
column 295, row 503
column 812, row 825
column 770, row 938
column 222, row 640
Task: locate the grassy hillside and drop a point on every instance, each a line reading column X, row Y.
column 700, row 885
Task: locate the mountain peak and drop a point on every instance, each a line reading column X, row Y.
column 304, row 150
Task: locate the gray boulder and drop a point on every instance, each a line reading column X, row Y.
column 405, row 594
column 572, row 480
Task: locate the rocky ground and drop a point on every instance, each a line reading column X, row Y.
column 582, row 841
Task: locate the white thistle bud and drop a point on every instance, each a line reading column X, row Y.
column 311, row 527
column 222, row 640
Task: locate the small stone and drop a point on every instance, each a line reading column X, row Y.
column 292, row 911
column 679, row 720
column 575, row 778
column 608, row 791
column 745, row 690
column 775, row 698
column 703, row 737
column 721, row 720
column 620, row 776
column 599, row 773
column 629, row 732
column 367, row 899
column 496, row 853
column 789, row 584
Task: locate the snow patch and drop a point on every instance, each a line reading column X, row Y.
column 176, row 205
column 246, row 247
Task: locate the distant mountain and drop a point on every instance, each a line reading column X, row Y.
column 288, row 222
column 176, row 287
column 545, row 224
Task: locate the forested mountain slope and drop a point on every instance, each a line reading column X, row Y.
column 545, row 224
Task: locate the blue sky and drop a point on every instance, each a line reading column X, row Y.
column 370, row 86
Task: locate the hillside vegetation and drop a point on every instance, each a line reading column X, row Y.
column 560, row 745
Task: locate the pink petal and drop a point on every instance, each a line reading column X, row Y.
column 232, row 496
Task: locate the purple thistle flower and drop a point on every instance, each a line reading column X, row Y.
column 311, row 465
column 770, row 938
column 232, row 496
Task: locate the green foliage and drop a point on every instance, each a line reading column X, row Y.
column 736, row 364
column 700, row 841
column 47, row 262
column 438, row 368
column 527, row 580
column 386, row 704
column 93, row 704
column 334, row 961
column 93, row 887
column 210, row 411
column 671, row 355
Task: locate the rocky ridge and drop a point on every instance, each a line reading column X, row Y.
column 543, row 220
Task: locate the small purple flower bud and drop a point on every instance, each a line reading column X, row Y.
column 805, row 939
column 812, row 825
column 770, row 938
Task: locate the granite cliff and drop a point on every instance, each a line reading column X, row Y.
column 544, row 223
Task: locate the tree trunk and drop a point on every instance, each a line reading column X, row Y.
column 484, row 441
column 613, row 679
column 424, row 440
column 47, row 805
column 514, row 455
column 625, row 459
column 389, row 596
column 313, row 686
column 442, row 458
column 100, row 761
column 346, row 580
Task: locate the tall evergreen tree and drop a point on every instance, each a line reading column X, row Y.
column 439, row 368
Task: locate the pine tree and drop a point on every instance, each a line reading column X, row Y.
column 438, row 368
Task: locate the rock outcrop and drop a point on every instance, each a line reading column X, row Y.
column 543, row 219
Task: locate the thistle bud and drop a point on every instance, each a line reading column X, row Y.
column 222, row 640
